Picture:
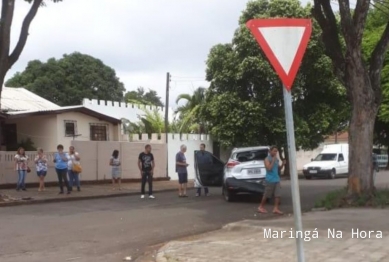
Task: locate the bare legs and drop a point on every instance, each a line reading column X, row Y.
column 41, row 183
column 276, row 210
column 118, row 181
column 182, row 190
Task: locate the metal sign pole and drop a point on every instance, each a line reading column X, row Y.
column 293, row 172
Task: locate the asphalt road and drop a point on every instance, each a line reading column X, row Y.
column 106, row 230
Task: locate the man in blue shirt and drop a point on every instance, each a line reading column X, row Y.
column 273, row 187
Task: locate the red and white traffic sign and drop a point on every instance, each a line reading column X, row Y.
column 284, row 41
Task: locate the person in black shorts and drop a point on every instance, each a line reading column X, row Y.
column 181, row 169
column 146, row 167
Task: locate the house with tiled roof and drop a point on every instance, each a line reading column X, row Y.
column 27, row 116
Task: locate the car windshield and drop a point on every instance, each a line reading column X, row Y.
column 326, row 157
column 245, row 156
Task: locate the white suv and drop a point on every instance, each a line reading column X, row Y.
column 243, row 173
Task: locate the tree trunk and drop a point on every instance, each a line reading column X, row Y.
column 361, row 79
column 361, row 132
column 2, row 139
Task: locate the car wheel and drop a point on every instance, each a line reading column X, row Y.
column 333, row 174
column 228, row 195
column 308, row 177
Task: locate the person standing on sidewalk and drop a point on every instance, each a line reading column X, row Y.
column 21, row 167
column 146, row 166
column 203, row 158
column 181, row 169
column 73, row 170
column 114, row 162
column 272, row 187
column 61, row 167
column 41, row 168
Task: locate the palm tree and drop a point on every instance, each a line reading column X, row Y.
column 131, row 128
column 188, row 114
column 153, row 121
column 150, row 123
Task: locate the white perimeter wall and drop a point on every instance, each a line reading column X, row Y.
column 123, row 110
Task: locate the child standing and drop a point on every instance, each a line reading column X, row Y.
column 41, row 168
column 116, row 170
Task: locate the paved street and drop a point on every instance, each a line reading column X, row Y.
column 110, row 229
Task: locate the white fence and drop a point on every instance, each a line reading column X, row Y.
column 124, row 110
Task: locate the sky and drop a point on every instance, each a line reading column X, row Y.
column 141, row 40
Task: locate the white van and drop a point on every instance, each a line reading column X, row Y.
column 330, row 163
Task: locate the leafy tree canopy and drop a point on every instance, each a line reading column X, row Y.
column 245, row 102
column 68, row 80
column 140, row 96
column 8, row 56
column 376, row 22
column 377, row 19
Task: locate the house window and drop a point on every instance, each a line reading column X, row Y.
column 98, row 132
column 70, row 128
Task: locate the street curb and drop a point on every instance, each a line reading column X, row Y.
column 79, row 198
column 161, row 257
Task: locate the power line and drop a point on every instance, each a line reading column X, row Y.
column 202, row 77
column 189, row 80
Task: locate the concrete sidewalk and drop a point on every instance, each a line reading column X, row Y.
column 11, row 197
column 246, row 240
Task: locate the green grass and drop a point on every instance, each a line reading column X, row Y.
column 340, row 199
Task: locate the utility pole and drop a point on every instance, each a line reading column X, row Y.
column 167, row 121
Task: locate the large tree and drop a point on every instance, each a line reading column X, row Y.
column 361, row 75
column 245, row 102
column 9, row 57
column 375, row 25
column 140, row 96
column 68, row 80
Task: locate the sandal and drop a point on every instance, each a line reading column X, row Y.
column 262, row 210
column 278, row 212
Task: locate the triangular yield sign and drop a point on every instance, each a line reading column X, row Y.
column 284, row 41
